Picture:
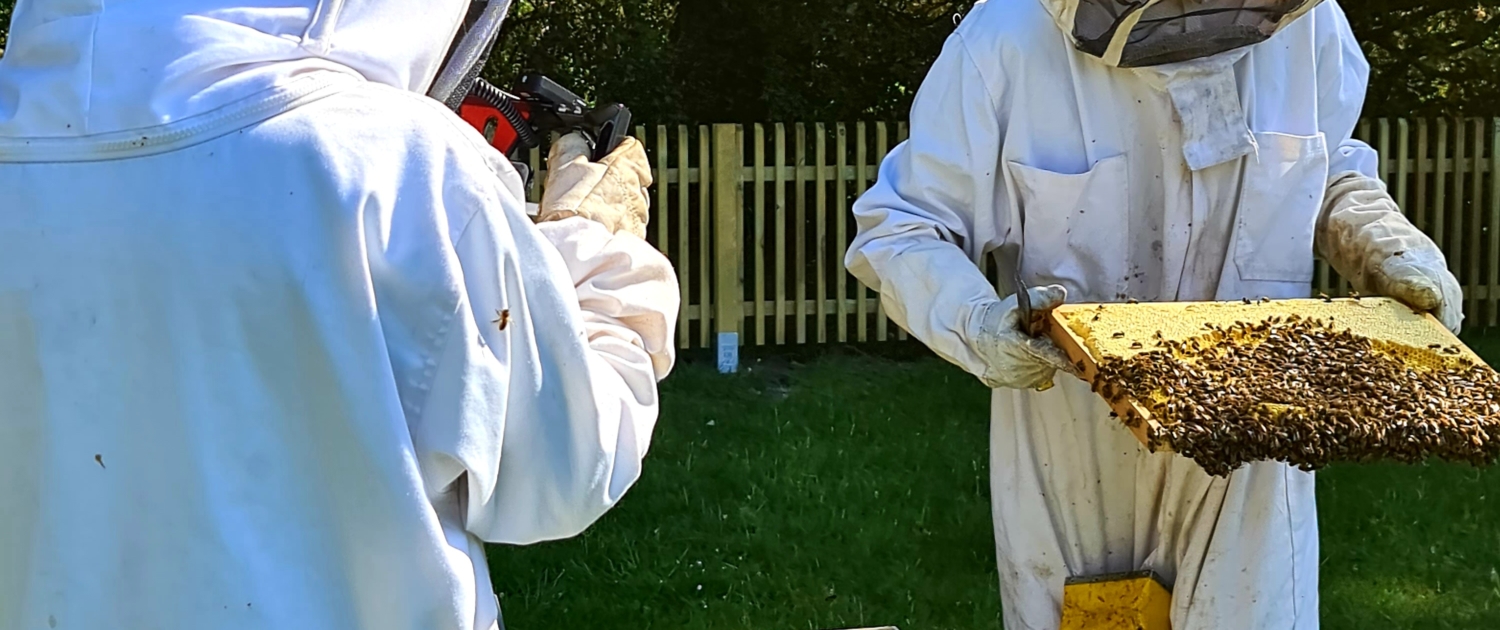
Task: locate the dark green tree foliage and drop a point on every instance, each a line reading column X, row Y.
column 607, row 49
column 1432, row 57
column 732, row 60
column 853, row 59
column 742, row 60
column 719, row 32
column 5, row 8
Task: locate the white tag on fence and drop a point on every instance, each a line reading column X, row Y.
column 729, row 352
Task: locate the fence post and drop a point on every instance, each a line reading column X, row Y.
column 729, row 254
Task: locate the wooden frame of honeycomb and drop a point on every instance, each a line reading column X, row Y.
column 1099, row 338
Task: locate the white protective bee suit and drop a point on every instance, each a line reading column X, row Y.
column 1210, row 178
column 279, row 346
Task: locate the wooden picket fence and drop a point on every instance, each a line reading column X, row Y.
column 756, row 221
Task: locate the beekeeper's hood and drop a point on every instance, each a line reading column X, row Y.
column 1137, row 33
column 88, row 67
column 1188, row 49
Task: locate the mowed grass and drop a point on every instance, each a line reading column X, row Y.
column 851, row 491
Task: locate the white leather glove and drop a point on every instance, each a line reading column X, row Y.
column 1364, row 236
column 1012, row 358
column 611, row 191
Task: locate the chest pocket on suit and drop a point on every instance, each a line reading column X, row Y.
column 1280, row 198
column 1077, row 227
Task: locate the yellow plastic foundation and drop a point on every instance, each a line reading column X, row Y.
column 1123, row 601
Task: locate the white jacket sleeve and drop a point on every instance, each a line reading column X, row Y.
column 1361, row 231
column 627, row 294
column 931, row 214
column 545, row 397
column 1343, row 77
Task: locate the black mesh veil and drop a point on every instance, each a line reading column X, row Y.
column 1168, row 31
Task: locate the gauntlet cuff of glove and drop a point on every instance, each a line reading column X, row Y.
column 981, row 333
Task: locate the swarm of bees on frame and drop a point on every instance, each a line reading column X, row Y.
column 1300, row 391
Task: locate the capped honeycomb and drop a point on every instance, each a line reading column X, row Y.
column 1306, row 382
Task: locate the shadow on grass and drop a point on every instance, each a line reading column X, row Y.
column 1410, row 546
column 849, row 492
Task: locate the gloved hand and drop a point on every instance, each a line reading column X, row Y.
column 611, row 191
column 1012, row 358
column 1364, row 236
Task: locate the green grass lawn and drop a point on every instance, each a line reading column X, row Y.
column 851, row 491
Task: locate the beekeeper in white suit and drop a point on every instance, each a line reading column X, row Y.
column 279, row 346
column 1166, row 151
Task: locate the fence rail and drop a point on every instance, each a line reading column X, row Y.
column 756, row 220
